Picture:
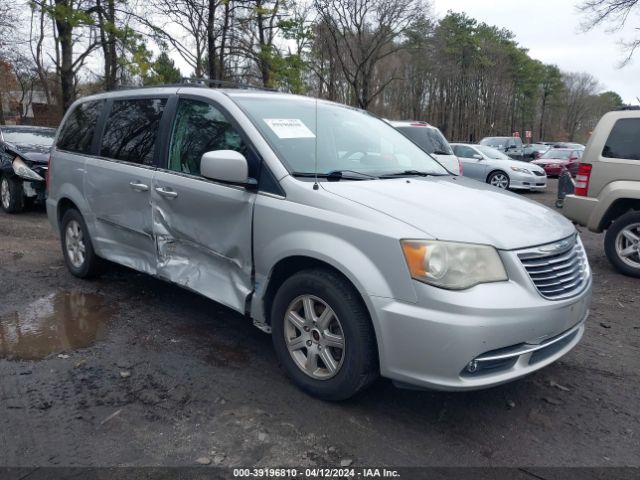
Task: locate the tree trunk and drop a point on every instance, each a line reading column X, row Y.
column 211, row 41
column 67, row 91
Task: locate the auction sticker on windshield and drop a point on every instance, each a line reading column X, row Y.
column 289, row 128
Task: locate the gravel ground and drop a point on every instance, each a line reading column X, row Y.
column 134, row 371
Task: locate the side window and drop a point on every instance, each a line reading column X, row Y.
column 77, row 132
column 131, row 130
column 624, row 140
column 199, row 128
column 466, row 152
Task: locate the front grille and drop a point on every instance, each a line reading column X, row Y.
column 558, row 270
column 538, row 173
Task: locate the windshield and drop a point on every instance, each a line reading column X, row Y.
column 346, row 139
column 558, row 154
column 29, row 136
column 494, row 141
column 430, row 139
column 492, row 153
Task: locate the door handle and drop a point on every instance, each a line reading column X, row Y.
column 139, row 187
column 166, row 192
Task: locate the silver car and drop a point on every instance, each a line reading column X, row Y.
column 489, row 165
column 355, row 249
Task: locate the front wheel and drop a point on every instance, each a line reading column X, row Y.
column 622, row 244
column 323, row 336
column 11, row 195
column 77, row 249
column 499, row 179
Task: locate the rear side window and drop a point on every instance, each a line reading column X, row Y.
column 77, row 133
column 429, row 139
column 131, row 130
column 624, row 140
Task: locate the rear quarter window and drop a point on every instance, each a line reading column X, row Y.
column 624, row 140
column 77, row 132
column 131, row 130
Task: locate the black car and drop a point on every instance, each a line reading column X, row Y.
column 24, row 156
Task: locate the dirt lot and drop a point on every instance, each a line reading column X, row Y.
column 134, row 371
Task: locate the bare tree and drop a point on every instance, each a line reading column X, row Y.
column 363, row 33
column 581, row 89
column 614, row 13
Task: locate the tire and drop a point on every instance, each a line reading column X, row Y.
column 77, row 249
column 624, row 234
column 11, row 195
column 355, row 365
column 499, row 179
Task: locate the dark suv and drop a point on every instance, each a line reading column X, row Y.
column 512, row 146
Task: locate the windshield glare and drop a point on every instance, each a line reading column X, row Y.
column 492, row 153
column 345, row 138
column 29, row 137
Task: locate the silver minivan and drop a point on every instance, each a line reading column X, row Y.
column 354, row 248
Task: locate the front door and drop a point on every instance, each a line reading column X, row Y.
column 471, row 167
column 118, row 183
column 203, row 228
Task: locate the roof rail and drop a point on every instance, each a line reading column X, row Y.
column 629, row 107
column 213, row 83
column 199, row 82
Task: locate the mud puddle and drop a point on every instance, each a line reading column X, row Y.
column 56, row 323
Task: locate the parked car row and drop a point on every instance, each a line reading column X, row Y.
column 356, row 249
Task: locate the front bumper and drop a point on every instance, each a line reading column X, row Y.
column 528, row 182
column 580, row 210
column 507, row 328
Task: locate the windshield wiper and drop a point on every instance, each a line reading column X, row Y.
column 441, row 152
column 410, row 173
column 336, row 175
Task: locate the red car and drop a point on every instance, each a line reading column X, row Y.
column 555, row 159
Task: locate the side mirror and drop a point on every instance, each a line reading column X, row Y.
column 477, row 156
column 226, row 166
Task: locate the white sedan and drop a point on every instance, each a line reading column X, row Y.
column 489, row 165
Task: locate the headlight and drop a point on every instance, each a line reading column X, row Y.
column 23, row 171
column 521, row 170
column 454, row 266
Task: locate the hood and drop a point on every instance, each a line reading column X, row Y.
column 505, row 164
column 459, row 209
column 33, row 153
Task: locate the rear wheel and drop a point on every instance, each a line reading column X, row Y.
column 11, row 195
column 79, row 256
column 499, row 179
column 622, row 244
column 322, row 335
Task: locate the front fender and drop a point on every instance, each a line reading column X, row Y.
column 359, row 248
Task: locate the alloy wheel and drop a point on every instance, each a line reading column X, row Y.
column 499, row 180
column 74, row 242
column 314, row 337
column 628, row 245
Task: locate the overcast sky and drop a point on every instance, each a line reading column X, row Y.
column 550, row 29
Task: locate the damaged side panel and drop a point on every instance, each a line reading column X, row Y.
column 202, row 234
